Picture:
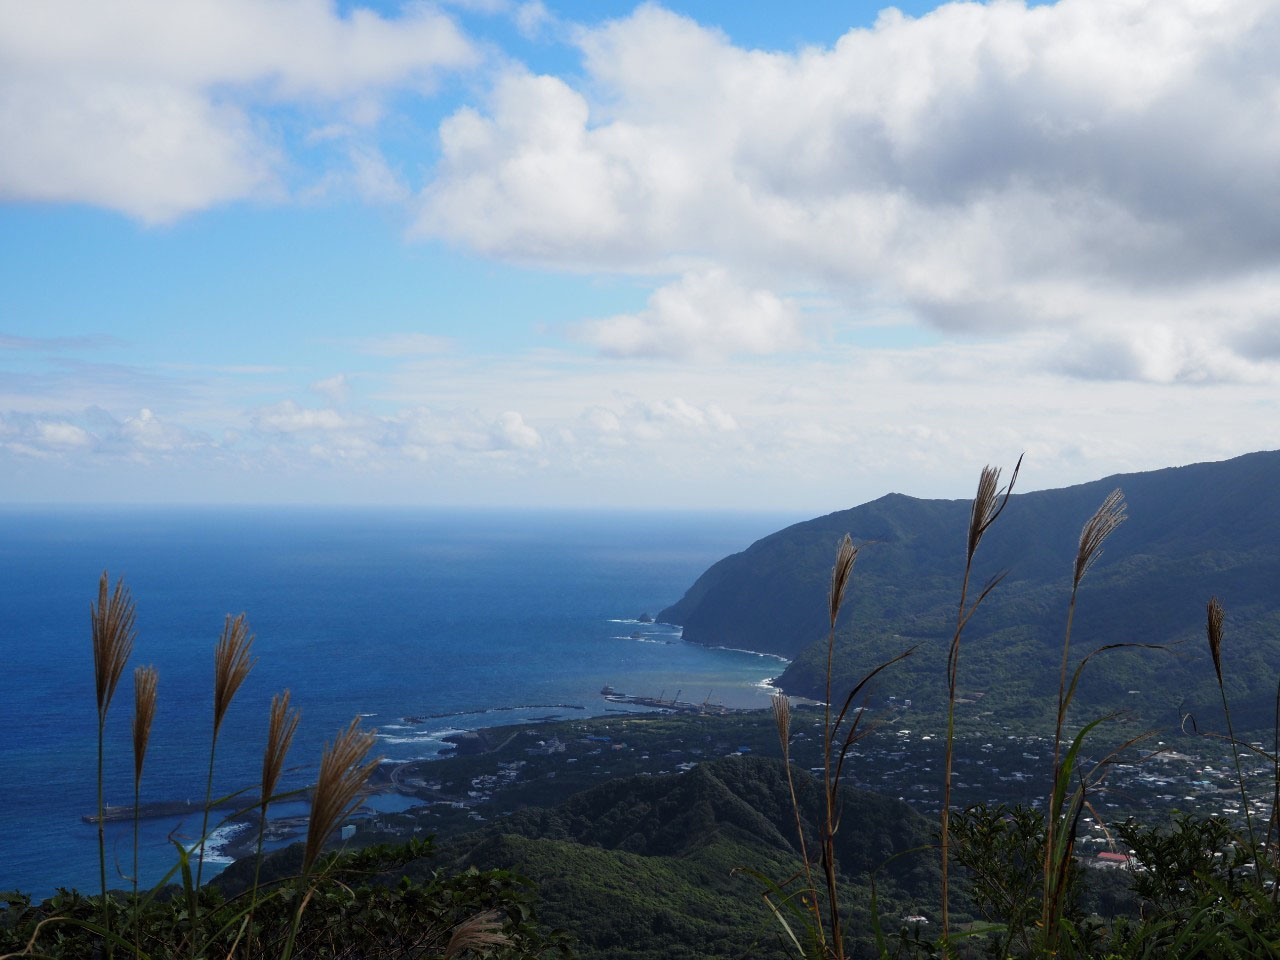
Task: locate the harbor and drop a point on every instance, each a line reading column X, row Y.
column 675, row 704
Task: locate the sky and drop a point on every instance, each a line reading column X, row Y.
column 529, row 253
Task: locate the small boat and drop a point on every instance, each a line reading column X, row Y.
column 608, row 691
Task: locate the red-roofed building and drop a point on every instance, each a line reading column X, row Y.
column 1111, row 861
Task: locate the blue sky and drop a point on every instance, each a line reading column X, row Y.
column 599, row 254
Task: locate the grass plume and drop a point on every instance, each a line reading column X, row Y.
column 1109, row 515
column 281, row 727
column 111, row 623
column 1060, row 827
column 989, row 502
column 841, row 572
column 1101, row 525
column 1214, row 617
column 846, row 555
column 231, row 665
column 478, row 934
column 232, row 662
column 343, row 772
column 145, row 682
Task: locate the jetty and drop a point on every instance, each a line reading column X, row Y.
column 149, row 811
column 675, row 704
column 424, row 717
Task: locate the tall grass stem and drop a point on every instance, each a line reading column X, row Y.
column 111, row 623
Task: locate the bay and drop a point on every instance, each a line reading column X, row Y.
column 457, row 616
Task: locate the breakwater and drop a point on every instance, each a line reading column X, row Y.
column 151, row 811
column 424, row 717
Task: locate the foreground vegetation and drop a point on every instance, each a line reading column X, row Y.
column 331, row 905
column 738, row 857
column 357, row 910
column 1208, row 889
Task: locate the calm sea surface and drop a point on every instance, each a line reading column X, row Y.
column 380, row 613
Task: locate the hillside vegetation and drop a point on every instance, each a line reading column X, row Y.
column 651, row 867
column 1210, row 528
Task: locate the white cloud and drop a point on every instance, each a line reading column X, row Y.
column 702, row 313
column 155, row 108
column 148, row 432
column 1158, row 354
column 642, row 421
column 511, row 431
column 61, row 434
column 421, row 433
column 373, row 178
column 532, row 17
column 819, row 435
column 288, row 417
column 96, row 434
column 991, row 167
column 335, row 389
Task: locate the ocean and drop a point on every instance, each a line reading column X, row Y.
column 470, row 618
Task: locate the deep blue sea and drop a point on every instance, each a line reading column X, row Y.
column 376, row 612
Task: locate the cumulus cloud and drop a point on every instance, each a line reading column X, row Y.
column 510, row 430
column 288, row 417
column 61, row 434
column 1157, row 354
column 146, row 431
column 702, row 313
column 990, row 167
column 157, row 109
column 571, row 432
column 532, row 17
column 95, row 433
column 654, row 420
column 419, row 433
column 335, row 389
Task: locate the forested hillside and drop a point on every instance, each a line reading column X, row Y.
column 653, row 867
column 1194, row 531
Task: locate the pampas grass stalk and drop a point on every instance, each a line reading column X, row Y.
column 111, row 624
column 1214, row 617
column 145, row 680
column 988, row 503
column 231, row 665
column 281, row 727
column 782, row 719
column 846, row 556
column 478, row 933
column 343, row 772
column 834, row 731
column 1109, row 515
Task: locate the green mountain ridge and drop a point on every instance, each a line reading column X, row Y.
column 1193, row 531
column 649, row 867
